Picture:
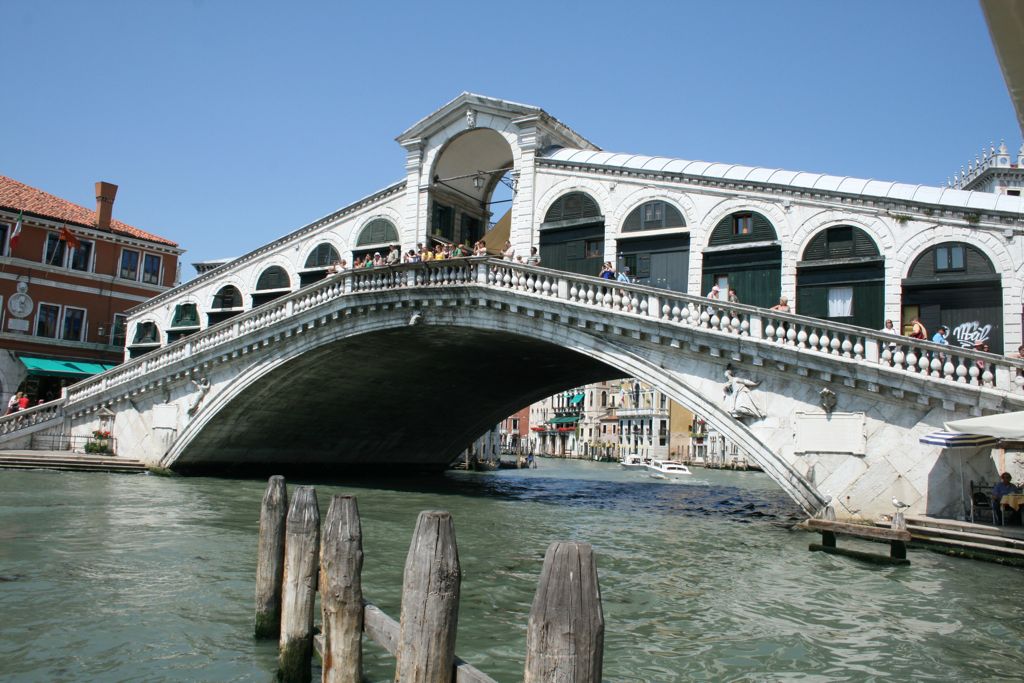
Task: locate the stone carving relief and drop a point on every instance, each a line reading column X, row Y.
column 739, row 399
column 203, row 387
column 470, row 118
column 828, row 400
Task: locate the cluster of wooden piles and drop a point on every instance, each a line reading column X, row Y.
column 565, row 633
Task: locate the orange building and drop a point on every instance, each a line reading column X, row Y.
column 67, row 275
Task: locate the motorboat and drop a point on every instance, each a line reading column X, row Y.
column 632, row 461
column 666, row 469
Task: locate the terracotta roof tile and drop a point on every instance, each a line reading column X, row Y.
column 15, row 196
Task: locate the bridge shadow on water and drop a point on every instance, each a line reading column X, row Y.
column 741, row 497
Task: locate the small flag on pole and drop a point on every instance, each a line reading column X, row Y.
column 13, row 241
column 69, row 237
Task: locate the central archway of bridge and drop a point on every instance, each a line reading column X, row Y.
column 412, row 397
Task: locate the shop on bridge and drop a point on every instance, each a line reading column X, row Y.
column 744, row 254
column 653, row 257
column 572, row 235
column 841, row 277
column 955, row 284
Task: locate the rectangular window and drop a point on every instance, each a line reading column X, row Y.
column 840, row 302
column 74, row 324
column 81, row 256
column 654, row 215
column 515, row 424
column 151, row 269
column 950, row 257
column 593, row 249
column 1013, row 193
column 743, row 224
column 55, row 250
column 46, row 320
column 117, row 331
column 129, row 265
column 4, row 232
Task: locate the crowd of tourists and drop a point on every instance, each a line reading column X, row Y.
column 423, row 253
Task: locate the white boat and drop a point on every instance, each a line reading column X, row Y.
column 632, row 461
column 666, row 469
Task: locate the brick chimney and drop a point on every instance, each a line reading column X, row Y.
column 105, row 193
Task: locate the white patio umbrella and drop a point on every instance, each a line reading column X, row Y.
column 957, row 439
column 1007, row 426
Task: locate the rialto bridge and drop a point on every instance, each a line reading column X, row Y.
column 270, row 361
column 400, row 367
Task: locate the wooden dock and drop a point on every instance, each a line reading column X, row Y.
column 68, row 461
column 1002, row 544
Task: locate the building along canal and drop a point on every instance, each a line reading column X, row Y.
column 124, row 578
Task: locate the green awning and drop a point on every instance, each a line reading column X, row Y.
column 51, row 367
column 568, row 419
column 577, row 399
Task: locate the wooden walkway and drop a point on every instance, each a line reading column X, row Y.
column 68, row 461
column 1003, row 544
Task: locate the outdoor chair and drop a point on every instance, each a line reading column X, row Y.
column 981, row 504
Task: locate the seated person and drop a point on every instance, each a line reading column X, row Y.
column 998, row 491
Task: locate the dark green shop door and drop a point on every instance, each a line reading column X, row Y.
column 578, row 249
column 755, row 274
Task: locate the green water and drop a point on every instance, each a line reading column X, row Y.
column 140, row 578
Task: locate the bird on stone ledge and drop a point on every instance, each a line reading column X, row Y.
column 899, row 504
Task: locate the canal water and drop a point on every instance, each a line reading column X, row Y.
column 143, row 578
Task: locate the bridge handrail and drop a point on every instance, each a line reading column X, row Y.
column 964, row 366
column 29, row 417
column 917, row 356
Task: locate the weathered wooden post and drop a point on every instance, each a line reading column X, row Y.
column 430, row 602
column 270, row 559
column 298, row 596
column 565, row 635
column 341, row 592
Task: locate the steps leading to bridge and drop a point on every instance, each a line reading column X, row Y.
column 966, row 539
column 66, row 461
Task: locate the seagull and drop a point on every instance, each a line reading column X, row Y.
column 899, row 504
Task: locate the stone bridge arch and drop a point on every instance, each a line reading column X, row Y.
column 249, row 416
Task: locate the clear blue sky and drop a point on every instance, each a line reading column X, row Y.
column 229, row 124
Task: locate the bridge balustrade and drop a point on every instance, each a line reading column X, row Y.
column 808, row 335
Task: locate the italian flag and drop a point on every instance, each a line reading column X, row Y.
column 13, row 241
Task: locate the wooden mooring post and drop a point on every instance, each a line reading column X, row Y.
column 298, row 594
column 565, row 635
column 270, row 559
column 430, row 602
column 341, row 592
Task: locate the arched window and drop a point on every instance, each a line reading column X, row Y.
column 185, row 315
column 324, row 255
column 272, row 283
column 604, row 399
column 653, row 215
column 951, row 259
column 227, row 297
column 146, row 333
column 840, row 242
column 742, row 226
column 378, row 231
column 274, row 277
column 573, row 206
